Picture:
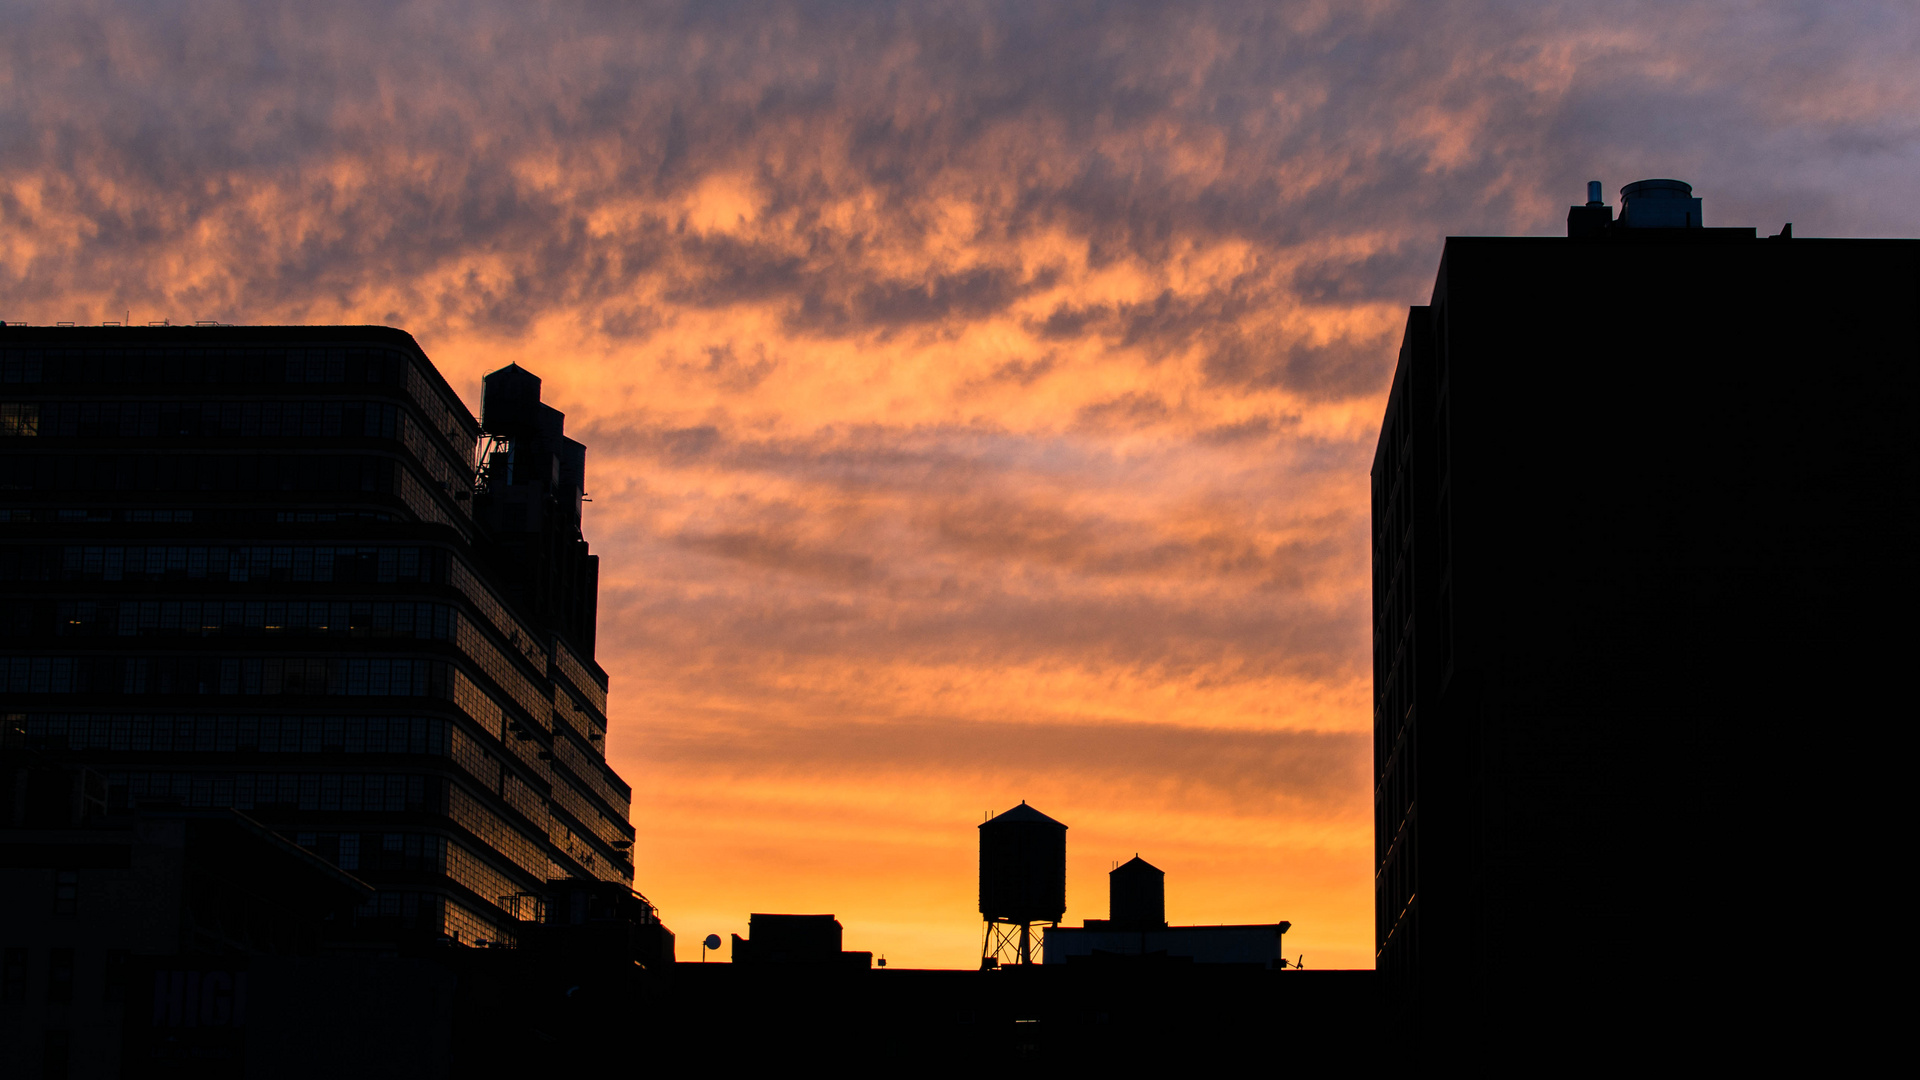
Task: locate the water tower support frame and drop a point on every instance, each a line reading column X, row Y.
column 1013, row 943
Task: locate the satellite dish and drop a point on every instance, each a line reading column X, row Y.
column 712, row 942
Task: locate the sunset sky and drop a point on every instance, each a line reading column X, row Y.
column 979, row 397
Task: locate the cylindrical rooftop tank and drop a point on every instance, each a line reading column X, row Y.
column 1659, row 204
column 508, row 398
column 1137, row 894
column 1023, row 867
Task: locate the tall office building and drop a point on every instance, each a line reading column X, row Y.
column 256, row 567
column 1643, row 503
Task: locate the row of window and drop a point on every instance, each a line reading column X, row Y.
column 349, row 565
column 231, row 618
column 487, row 713
column 378, row 852
column 101, row 515
column 60, row 965
column 322, row 734
column 68, row 473
column 196, row 419
column 576, row 673
column 582, row 852
column 309, row 734
column 13, row 976
column 583, row 810
column 428, row 911
column 590, row 769
column 496, row 832
column 104, row 515
column 464, row 925
column 469, row 869
column 341, row 676
column 527, row 799
column 309, row 791
column 244, row 734
column 517, row 634
column 267, row 367
column 19, row 419
column 201, row 674
column 1396, row 882
column 479, row 763
column 504, row 674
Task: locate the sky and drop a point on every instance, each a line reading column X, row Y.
column 979, row 397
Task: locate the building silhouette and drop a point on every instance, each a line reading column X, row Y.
column 1642, row 499
column 256, row 569
column 806, row 940
column 1126, row 992
column 162, row 940
column 1135, row 931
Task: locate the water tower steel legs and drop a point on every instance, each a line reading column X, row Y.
column 1013, row 943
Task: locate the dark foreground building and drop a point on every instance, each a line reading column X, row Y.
column 1135, row 931
column 796, row 939
column 1643, row 511
column 256, row 569
column 1121, row 1016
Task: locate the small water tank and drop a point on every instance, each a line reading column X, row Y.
column 1659, row 204
column 1137, row 895
column 1023, row 867
column 508, row 399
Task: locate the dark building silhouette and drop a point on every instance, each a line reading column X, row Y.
column 531, row 484
column 164, row 941
column 182, row 941
column 1023, row 881
column 1202, row 996
column 1136, row 931
column 796, row 939
column 251, row 568
column 1643, row 499
column 1192, row 1015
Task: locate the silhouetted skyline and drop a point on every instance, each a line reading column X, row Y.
column 980, row 396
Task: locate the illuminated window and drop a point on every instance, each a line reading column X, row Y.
column 19, row 420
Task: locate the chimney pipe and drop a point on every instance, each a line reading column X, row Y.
column 1592, row 220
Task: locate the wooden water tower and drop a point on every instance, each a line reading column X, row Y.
column 1023, row 882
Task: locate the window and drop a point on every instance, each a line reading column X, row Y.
column 66, row 893
column 60, row 976
column 13, row 977
column 56, row 1052
column 19, row 419
column 117, row 974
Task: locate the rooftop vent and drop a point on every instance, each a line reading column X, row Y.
column 1659, row 204
column 1593, row 219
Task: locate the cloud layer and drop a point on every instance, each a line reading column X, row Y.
column 979, row 396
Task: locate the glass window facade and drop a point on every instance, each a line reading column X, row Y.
column 244, row 568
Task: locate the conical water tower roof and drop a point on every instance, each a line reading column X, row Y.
column 1023, row 812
